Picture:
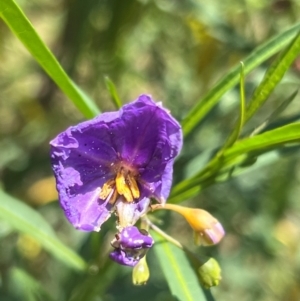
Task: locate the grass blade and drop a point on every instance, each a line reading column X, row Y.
column 235, row 155
column 26, row 220
column 286, row 134
column 113, row 92
column 179, row 274
column 273, row 76
column 239, row 125
column 259, row 55
column 26, row 288
column 13, row 16
column 274, row 115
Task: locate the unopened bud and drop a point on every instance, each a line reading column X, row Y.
column 210, row 234
column 140, row 273
column 208, row 230
column 210, row 273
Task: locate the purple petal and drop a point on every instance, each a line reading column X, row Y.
column 85, row 211
column 160, row 189
column 81, row 161
column 133, row 238
column 131, row 244
column 121, row 257
column 142, row 135
column 152, row 139
column 150, row 134
column 213, row 235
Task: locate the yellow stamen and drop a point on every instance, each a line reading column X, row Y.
column 113, row 197
column 133, row 186
column 122, row 187
column 106, row 189
column 124, row 184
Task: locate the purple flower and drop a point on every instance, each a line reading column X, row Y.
column 131, row 244
column 116, row 162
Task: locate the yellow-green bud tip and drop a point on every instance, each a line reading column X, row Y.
column 140, row 273
column 210, row 273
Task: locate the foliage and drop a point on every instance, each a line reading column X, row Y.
column 175, row 51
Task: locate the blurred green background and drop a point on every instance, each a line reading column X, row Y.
column 174, row 50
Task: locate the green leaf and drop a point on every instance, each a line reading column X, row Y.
column 113, row 92
column 24, row 287
column 26, row 220
column 286, row 134
column 182, row 281
column 13, row 16
column 274, row 114
column 90, row 287
column 259, row 55
column 271, row 79
column 252, row 164
column 240, row 122
column 235, row 155
column 273, row 76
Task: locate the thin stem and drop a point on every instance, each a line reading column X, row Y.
column 164, row 235
column 168, row 206
column 167, row 237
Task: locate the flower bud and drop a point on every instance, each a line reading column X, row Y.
column 140, row 273
column 210, row 273
column 208, row 230
column 211, row 234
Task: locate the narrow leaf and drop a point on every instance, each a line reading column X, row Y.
column 286, row 134
column 240, row 122
column 113, row 92
column 179, row 274
column 235, row 155
column 90, row 286
column 13, row 16
column 273, row 76
column 24, row 287
column 277, row 112
column 242, row 104
column 259, row 55
column 26, row 220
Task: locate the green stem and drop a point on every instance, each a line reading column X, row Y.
column 199, row 259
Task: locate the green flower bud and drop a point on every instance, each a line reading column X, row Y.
column 140, row 273
column 210, row 273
